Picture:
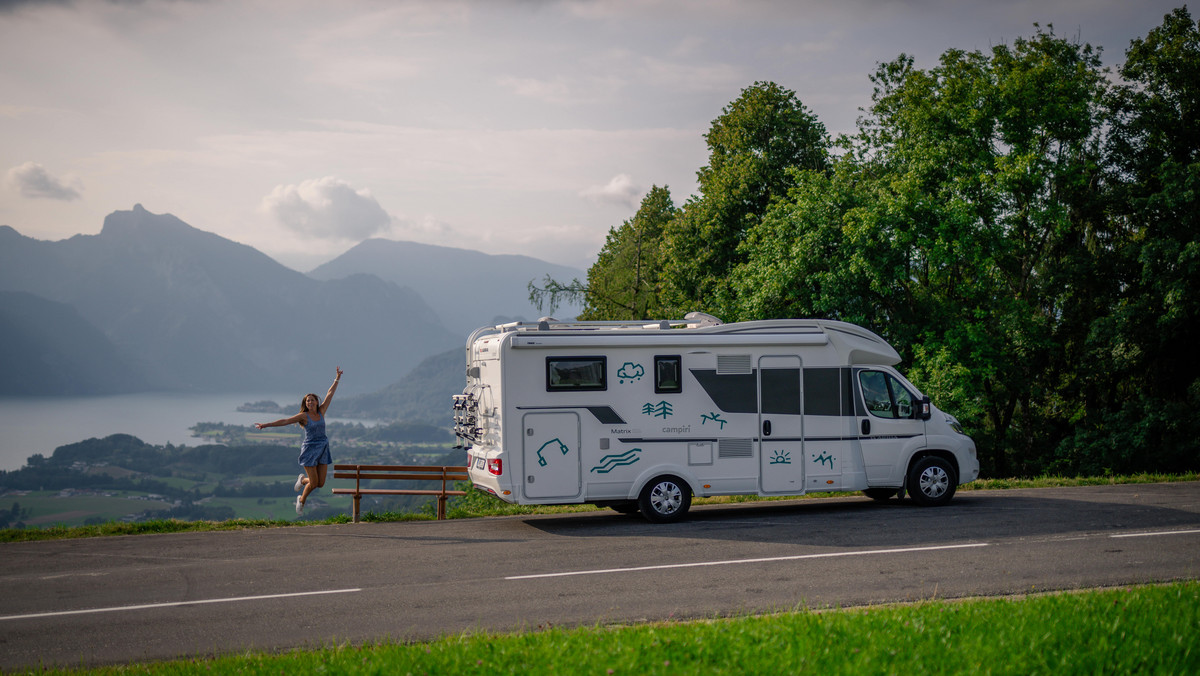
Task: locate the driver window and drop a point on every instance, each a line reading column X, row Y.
column 900, row 395
column 884, row 396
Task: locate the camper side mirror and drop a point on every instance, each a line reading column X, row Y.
column 926, row 408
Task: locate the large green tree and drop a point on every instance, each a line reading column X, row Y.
column 625, row 282
column 753, row 145
column 956, row 223
column 1141, row 391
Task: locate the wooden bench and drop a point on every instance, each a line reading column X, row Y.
column 361, row 473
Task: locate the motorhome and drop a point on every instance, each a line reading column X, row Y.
column 645, row 415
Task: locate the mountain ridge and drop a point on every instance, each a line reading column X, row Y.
column 466, row 288
column 173, row 307
column 201, row 312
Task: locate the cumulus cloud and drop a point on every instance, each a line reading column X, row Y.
column 620, row 191
column 33, row 181
column 327, row 208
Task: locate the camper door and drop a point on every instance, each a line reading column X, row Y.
column 781, row 424
column 551, row 455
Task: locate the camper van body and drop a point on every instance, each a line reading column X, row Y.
column 644, row 415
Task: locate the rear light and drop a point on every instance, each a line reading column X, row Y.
column 495, row 466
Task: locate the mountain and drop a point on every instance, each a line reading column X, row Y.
column 421, row 396
column 467, row 289
column 200, row 312
column 47, row 348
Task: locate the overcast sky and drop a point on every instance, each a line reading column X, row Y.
column 303, row 127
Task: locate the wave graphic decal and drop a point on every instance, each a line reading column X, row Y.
column 610, row 462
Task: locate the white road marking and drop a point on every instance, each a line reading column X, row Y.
column 173, row 604
column 769, row 559
column 1161, row 532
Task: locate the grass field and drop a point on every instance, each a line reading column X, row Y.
column 50, row 508
column 1138, row 630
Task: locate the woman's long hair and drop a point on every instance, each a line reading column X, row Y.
column 305, row 410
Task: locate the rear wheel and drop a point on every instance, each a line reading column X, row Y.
column 931, row 481
column 665, row 499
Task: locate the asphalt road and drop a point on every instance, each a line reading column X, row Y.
column 139, row 598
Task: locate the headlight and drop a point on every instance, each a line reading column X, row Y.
column 954, row 425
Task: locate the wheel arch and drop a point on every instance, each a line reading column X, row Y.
column 942, row 453
column 653, row 473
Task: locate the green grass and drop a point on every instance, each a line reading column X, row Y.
column 47, row 508
column 1137, row 630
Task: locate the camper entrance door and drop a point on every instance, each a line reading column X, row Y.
column 551, row 455
column 780, row 424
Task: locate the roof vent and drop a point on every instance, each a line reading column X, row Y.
column 701, row 319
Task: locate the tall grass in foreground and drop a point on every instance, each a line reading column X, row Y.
column 1139, row 630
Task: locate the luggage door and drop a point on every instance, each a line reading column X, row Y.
column 780, row 424
column 551, row 455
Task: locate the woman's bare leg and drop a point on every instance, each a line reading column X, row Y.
column 310, row 483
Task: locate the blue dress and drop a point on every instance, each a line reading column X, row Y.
column 315, row 448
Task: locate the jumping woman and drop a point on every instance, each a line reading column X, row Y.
column 314, row 451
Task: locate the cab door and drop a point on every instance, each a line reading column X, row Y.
column 889, row 425
column 781, row 424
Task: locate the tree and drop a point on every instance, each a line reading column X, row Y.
column 955, row 223
column 625, row 282
column 1142, row 391
column 752, row 146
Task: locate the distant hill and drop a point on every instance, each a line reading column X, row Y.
column 467, row 289
column 421, row 396
column 200, row 312
column 47, row 348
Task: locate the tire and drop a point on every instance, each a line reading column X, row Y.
column 881, row 494
column 665, row 499
column 931, row 481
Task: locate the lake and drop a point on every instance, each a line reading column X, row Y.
column 31, row 425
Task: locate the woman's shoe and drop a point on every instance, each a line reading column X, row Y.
column 299, row 483
column 299, row 505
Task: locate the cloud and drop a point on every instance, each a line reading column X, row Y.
column 327, row 208
column 620, row 191
column 33, row 181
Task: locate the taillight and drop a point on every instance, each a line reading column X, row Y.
column 495, row 466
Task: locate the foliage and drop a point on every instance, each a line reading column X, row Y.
column 1021, row 227
column 753, row 147
column 626, row 281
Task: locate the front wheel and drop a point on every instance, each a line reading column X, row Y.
column 931, row 481
column 665, row 499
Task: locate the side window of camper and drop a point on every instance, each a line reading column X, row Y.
column 575, row 374
column 668, row 374
column 885, row 396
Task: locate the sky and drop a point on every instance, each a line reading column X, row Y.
column 302, row 127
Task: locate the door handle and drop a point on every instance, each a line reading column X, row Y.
column 766, row 428
column 866, row 427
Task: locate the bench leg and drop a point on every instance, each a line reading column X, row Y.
column 357, row 498
column 441, row 508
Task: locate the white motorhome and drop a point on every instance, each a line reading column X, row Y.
column 636, row 415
